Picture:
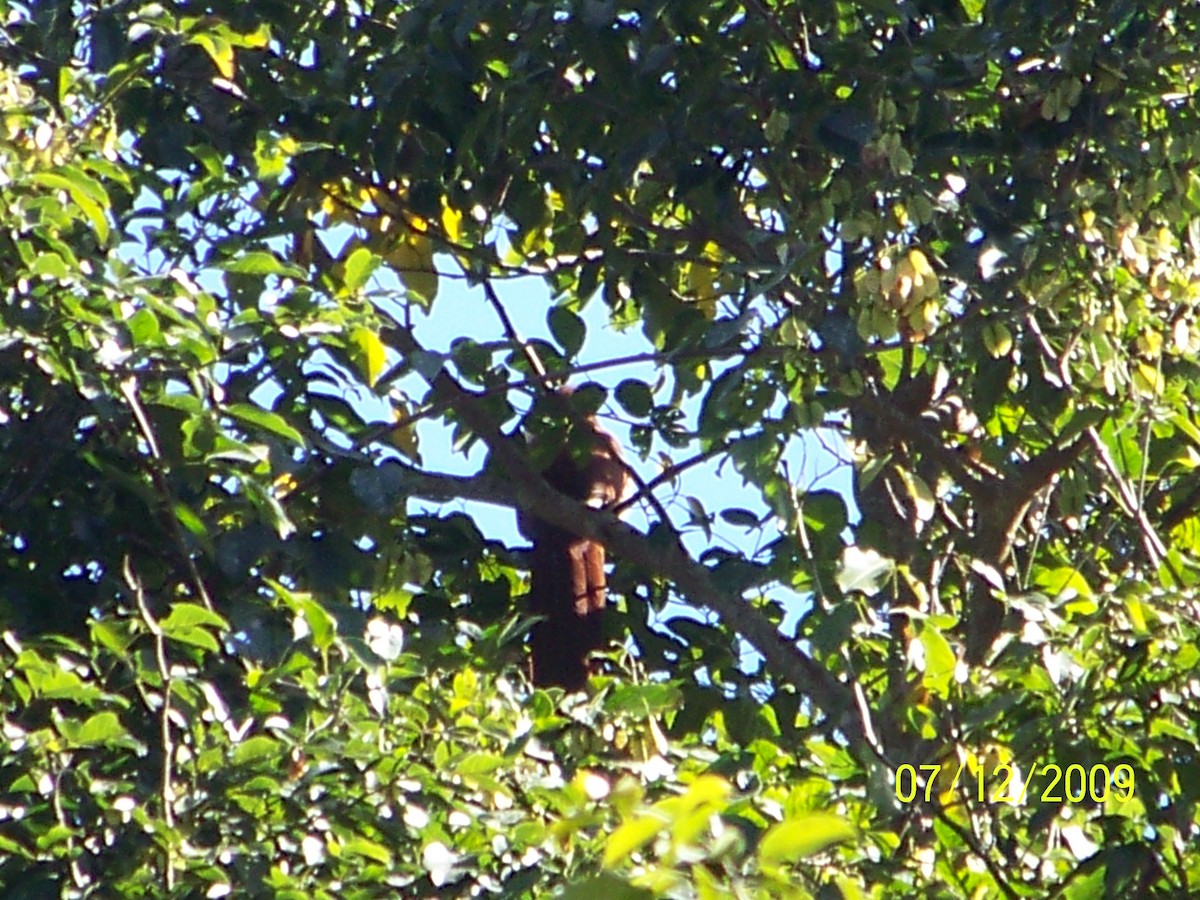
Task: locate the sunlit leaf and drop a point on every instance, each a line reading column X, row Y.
column 219, row 50
column 260, row 262
column 863, row 570
column 268, row 421
column 801, row 837
column 370, row 353
column 359, row 266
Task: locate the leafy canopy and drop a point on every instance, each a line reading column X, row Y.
column 254, row 645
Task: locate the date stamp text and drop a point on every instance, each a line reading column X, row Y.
column 1004, row 783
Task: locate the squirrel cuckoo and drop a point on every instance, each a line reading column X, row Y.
column 567, row 582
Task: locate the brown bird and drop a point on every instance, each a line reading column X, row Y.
column 567, row 581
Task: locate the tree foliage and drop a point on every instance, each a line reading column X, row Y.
column 253, row 645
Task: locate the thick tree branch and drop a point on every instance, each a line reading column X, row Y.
column 690, row 577
column 522, row 487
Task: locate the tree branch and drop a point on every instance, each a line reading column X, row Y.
column 522, row 487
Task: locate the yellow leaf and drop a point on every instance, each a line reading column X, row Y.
column 908, row 282
column 452, row 222
column 629, row 838
column 997, row 339
column 219, row 50
column 412, row 258
column 337, row 205
column 257, row 39
column 699, row 286
column 920, row 264
column 798, row 838
column 1136, row 611
column 284, row 485
column 371, row 354
column 923, row 317
column 1150, row 343
column 707, row 789
column 1147, row 380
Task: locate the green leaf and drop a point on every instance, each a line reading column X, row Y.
column 112, row 635
column 798, row 838
column 1062, row 580
column 776, row 127
column 191, row 615
column 50, row 264
column 479, row 764
column 54, row 683
column 940, row 661
column 606, row 886
column 261, row 262
column 973, row 8
column 360, row 266
column 268, row 421
column 87, row 193
column 630, row 837
column 635, row 397
column 189, row 520
column 219, row 50
column 9, row 847
column 102, row 729
column 741, row 518
column 320, row 622
column 1137, row 612
column 143, row 327
column 269, row 507
column 825, row 512
column 256, row 749
column 360, row 846
column 642, row 699
column 54, row 835
column 1187, row 658
column 568, row 329
column 196, row 637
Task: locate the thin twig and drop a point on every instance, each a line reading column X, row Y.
column 158, row 476
column 166, row 789
column 670, row 473
column 510, row 329
column 1156, row 550
column 60, row 814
